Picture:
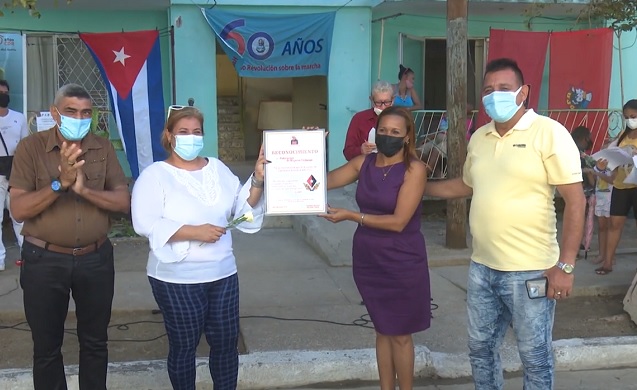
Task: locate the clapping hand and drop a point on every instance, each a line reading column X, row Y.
column 69, row 164
column 78, row 186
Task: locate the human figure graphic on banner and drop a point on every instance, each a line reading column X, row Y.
column 13, row 128
column 513, row 166
column 65, row 182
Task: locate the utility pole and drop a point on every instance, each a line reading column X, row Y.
column 456, row 236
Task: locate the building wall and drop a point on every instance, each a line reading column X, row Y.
column 67, row 20
column 349, row 72
column 434, row 26
column 64, row 19
column 628, row 53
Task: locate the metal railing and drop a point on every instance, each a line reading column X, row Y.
column 431, row 139
column 431, row 131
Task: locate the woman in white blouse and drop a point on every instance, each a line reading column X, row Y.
column 184, row 205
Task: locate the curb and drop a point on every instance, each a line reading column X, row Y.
column 267, row 370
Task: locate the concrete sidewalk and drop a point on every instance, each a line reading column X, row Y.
column 302, row 318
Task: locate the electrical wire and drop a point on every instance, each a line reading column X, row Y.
column 364, row 321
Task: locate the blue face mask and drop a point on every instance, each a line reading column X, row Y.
column 74, row 129
column 501, row 106
column 188, row 146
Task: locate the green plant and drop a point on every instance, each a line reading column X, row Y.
column 30, row 5
column 122, row 227
column 620, row 14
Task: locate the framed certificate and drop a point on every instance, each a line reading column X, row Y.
column 295, row 178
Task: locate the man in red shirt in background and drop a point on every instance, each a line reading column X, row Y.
column 363, row 124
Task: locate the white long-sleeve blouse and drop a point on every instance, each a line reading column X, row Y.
column 165, row 198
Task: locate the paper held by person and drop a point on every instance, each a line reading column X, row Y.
column 296, row 177
column 617, row 156
column 632, row 176
column 371, row 138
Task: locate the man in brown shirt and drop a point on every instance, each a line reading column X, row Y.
column 64, row 182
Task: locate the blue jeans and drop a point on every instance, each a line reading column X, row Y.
column 495, row 299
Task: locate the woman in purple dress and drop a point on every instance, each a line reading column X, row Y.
column 389, row 255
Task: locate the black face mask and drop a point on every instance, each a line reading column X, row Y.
column 389, row 145
column 4, row 100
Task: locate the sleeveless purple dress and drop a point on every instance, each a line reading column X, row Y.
column 390, row 269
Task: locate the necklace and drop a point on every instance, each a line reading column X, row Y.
column 385, row 173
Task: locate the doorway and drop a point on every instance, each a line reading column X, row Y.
column 240, row 101
column 429, row 59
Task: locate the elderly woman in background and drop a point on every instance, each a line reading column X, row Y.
column 183, row 206
column 361, row 133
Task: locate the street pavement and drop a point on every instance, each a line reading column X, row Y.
column 625, row 379
column 303, row 322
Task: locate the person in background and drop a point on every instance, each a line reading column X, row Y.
column 389, row 253
column 13, row 128
column 623, row 196
column 184, row 205
column 514, row 165
column 65, row 183
column 404, row 93
column 362, row 125
column 603, row 191
column 582, row 137
column 433, row 150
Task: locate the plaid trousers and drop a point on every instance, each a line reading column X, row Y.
column 189, row 310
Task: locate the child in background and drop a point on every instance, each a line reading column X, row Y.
column 603, row 191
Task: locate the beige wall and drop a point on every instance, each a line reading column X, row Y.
column 307, row 95
column 227, row 77
column 254, row 91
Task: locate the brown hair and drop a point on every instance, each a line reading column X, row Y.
column 409, row 151
column 174, row 116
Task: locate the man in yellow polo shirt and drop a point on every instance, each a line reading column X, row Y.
column 513, row 166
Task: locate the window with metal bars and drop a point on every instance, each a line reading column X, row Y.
column 56, row 60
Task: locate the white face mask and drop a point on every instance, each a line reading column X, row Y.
column 377, row 110
column 631, row 123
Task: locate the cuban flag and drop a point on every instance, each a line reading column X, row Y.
column 130, row 64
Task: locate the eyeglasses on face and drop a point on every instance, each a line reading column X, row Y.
column 383, row 103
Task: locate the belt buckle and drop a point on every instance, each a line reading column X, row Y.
column 77, row 250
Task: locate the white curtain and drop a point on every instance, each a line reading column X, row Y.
column 42, row 74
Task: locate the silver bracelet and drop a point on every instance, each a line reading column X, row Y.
column 256, row 183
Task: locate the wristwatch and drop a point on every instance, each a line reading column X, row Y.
column 56, row 186
column 567, row 268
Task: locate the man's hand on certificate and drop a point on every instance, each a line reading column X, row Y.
column 336, row 215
